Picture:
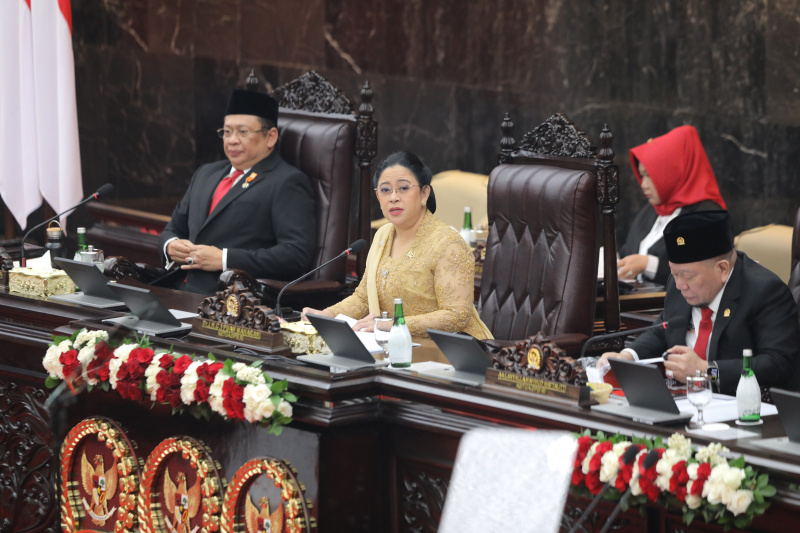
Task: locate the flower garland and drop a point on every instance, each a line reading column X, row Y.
column 700, row 482
column 137, row 372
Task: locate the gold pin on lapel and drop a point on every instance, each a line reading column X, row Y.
column 727, row 313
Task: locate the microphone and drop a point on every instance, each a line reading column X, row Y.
column 354, row 248
column 625, row 333
column 102, row 191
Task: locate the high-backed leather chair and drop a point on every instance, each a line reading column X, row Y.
column 541, row 253
column 322, row 136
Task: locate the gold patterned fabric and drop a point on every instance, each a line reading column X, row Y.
column 435, row 279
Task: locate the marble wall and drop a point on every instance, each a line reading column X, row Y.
column 153, row 78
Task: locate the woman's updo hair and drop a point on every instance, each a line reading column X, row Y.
column 414, row 165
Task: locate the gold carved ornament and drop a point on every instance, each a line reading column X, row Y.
column 98, row 483
column 182, row 505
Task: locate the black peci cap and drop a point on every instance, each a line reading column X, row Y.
column 253, row 103
column 698, row 236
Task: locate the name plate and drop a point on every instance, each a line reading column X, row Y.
column 267, row 341
column 528, row 385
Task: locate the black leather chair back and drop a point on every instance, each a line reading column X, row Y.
column 322, row 146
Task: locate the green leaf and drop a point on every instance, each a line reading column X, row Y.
column 289, row 397
column 742, row 521
column 762, row 481
column 105, row 386
column 51, row 383
column 688, row 516
column 738, row 463
column 758, row 497
column 58, row 339
column 279, row 386
column 256, row 364
column 768, row 491
column 211, row 357
column 275, row 399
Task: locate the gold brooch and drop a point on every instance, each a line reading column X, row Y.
column 681, row 241
column 727, row 313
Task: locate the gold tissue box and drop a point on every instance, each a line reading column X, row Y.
column 302, row 338
column 33, row 282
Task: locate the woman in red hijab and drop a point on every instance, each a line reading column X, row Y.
column 676, row 178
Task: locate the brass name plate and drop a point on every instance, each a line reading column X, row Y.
column 536, row 386
column 213, row 329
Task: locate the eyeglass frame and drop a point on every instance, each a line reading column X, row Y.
column 395, row 190
column 238, row 131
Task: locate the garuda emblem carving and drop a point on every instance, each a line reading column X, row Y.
column 101, row 485
column 182, row 503
column 261, row 521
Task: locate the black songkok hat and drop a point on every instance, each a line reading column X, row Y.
column 253, row 103
column 698, row 236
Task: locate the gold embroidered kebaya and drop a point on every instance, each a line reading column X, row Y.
column 435, row 279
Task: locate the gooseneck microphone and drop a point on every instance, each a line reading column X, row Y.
column 625, row 333
column 354, row 248
column 102, row 191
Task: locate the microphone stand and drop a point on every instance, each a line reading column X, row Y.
column 354, row 248
column 37, row 226
column 278, row 310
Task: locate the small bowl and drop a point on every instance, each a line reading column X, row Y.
column 600, row 392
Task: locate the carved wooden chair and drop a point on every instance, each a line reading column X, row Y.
column 334, row 146
column 545, row 201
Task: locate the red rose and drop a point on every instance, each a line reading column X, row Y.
column 181, row 364
column 208, row 371
column 679, row 479
column 703, row 471
column 232, row 399
column 69, row 360
column 201, row 391
column 593, row 482
column 142, row 356
column 99, row 364
column 577, row 476
column 165, row 361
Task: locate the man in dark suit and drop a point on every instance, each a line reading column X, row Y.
column 253, row 211
column 718, row 303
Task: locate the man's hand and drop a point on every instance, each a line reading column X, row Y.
column 683, row 362
column 603, row 361
column 179, row 249
column 202, row 257
column 631, row 266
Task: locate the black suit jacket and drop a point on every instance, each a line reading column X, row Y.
column 642, row 225
column 757, row 311
column 268, row 227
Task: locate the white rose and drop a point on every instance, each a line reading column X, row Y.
column 691, row 470
column 693, row 502
column 121, row 355
column 254, row 398
column 189, row 382
column 150, row 374
column 609, row 465
column 733, row 477
column 588, row 459
column 717, row 492
column 236, row 367
column 740, row 501
column 285, row 408
column 215, row 394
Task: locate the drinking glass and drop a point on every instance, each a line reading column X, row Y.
column 698, row 392
column 383, row 327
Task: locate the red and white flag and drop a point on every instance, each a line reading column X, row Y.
column 39, row 150
column 56, row 113
column 19, row 165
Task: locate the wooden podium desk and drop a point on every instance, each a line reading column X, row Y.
column 374, row 448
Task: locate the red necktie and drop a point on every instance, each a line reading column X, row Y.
column 223, row 187
column 703, row 332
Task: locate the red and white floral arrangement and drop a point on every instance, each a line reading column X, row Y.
column 137, row 372
column 701, row 482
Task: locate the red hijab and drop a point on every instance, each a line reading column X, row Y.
column 679, row 168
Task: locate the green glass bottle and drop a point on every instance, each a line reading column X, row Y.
column 82, row 246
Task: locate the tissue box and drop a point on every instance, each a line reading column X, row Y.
column 34, row 282
column 302, row 338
